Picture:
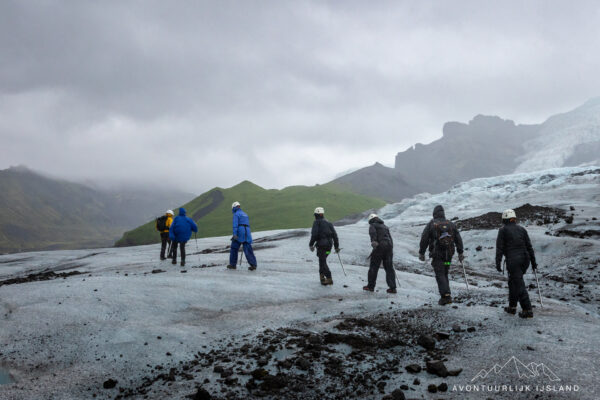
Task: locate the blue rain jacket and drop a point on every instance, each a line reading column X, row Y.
column 182, row 227
column 241, row 226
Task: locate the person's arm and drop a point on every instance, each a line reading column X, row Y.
column 499, row 248
column 314, row 234
column 425, row 239
column 336, row 243
column 193, row 225
column 530, row 250
column 235, row 224
column 458, row 240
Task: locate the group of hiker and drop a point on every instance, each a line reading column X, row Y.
column 440, row 236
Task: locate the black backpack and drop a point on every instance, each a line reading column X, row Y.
column 444, row 240
column 161, row 223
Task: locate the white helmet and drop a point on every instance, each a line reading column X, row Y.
column 508, row 214
column 372, row 216
column 170, row 212
column 235, row 204
column 319, row 210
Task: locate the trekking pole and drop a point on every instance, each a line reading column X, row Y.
column 465, row 274
column 197, row 250
column 538, row 286
column 340, row 258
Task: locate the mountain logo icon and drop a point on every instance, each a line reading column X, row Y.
column 531, row 370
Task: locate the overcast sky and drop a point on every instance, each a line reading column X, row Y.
column 201, row 94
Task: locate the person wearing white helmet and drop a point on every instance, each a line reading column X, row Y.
column 323, row 237
column 162, row 225
column 383, row 251
column 242, row 236
column 514, row 244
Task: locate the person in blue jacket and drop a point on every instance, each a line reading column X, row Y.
column 241, row 236
column 180, row 232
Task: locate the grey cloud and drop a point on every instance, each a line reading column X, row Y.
column 200, row 94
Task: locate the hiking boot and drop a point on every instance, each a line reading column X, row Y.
column 368, row 289
column 252, row 268
column 447, row 299
column 231, row 266
column 510, row 310
column 323, row 280
column 526, row 314
column 328, row 281
column 174, row 262
column 183, row 263
column 163, row 258
column 392, row 290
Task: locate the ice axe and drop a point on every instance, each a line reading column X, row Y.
column 197, row 250
column 340, row 258
column 538, row 287
column 465, row 274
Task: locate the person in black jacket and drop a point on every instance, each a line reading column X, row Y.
column 324, row 236
column 513, row 243
column 441, row 237
column 383, row 250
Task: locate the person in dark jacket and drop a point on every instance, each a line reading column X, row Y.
column 164, row 234
column 324, row 237
column 442, row 238
column 180, row 232
column 241, row 236
column 383, row 250
column 513, row 243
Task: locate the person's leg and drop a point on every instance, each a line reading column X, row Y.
column 163, row 244
column 323, row 268
column 233, row 253
column 515, row 277
column 182, row 248
column 249, row 254
column 441, row 277
column 390, row 273
column 174, row 251
column 374, row 269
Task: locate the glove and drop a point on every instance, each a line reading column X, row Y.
column 234, row 237
column 312, row 248
column 498, row 268
column 374, row 244
column 422, row 257
column 461, row 257
column 534, row 266
column 337, row 250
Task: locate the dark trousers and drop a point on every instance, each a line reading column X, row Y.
column 174, row 250
column 164, row 242
column 233, row 253
column 441, row 276
column 323, row 253
column 517, row 291
column 386, row 256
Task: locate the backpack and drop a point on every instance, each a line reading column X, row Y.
column 444, row 240
column 161, row 223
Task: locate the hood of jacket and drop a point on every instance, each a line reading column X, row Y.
column 182, row 211
column 438, row 212
column 376, row 220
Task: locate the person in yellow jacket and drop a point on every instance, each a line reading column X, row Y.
column 162, row 225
